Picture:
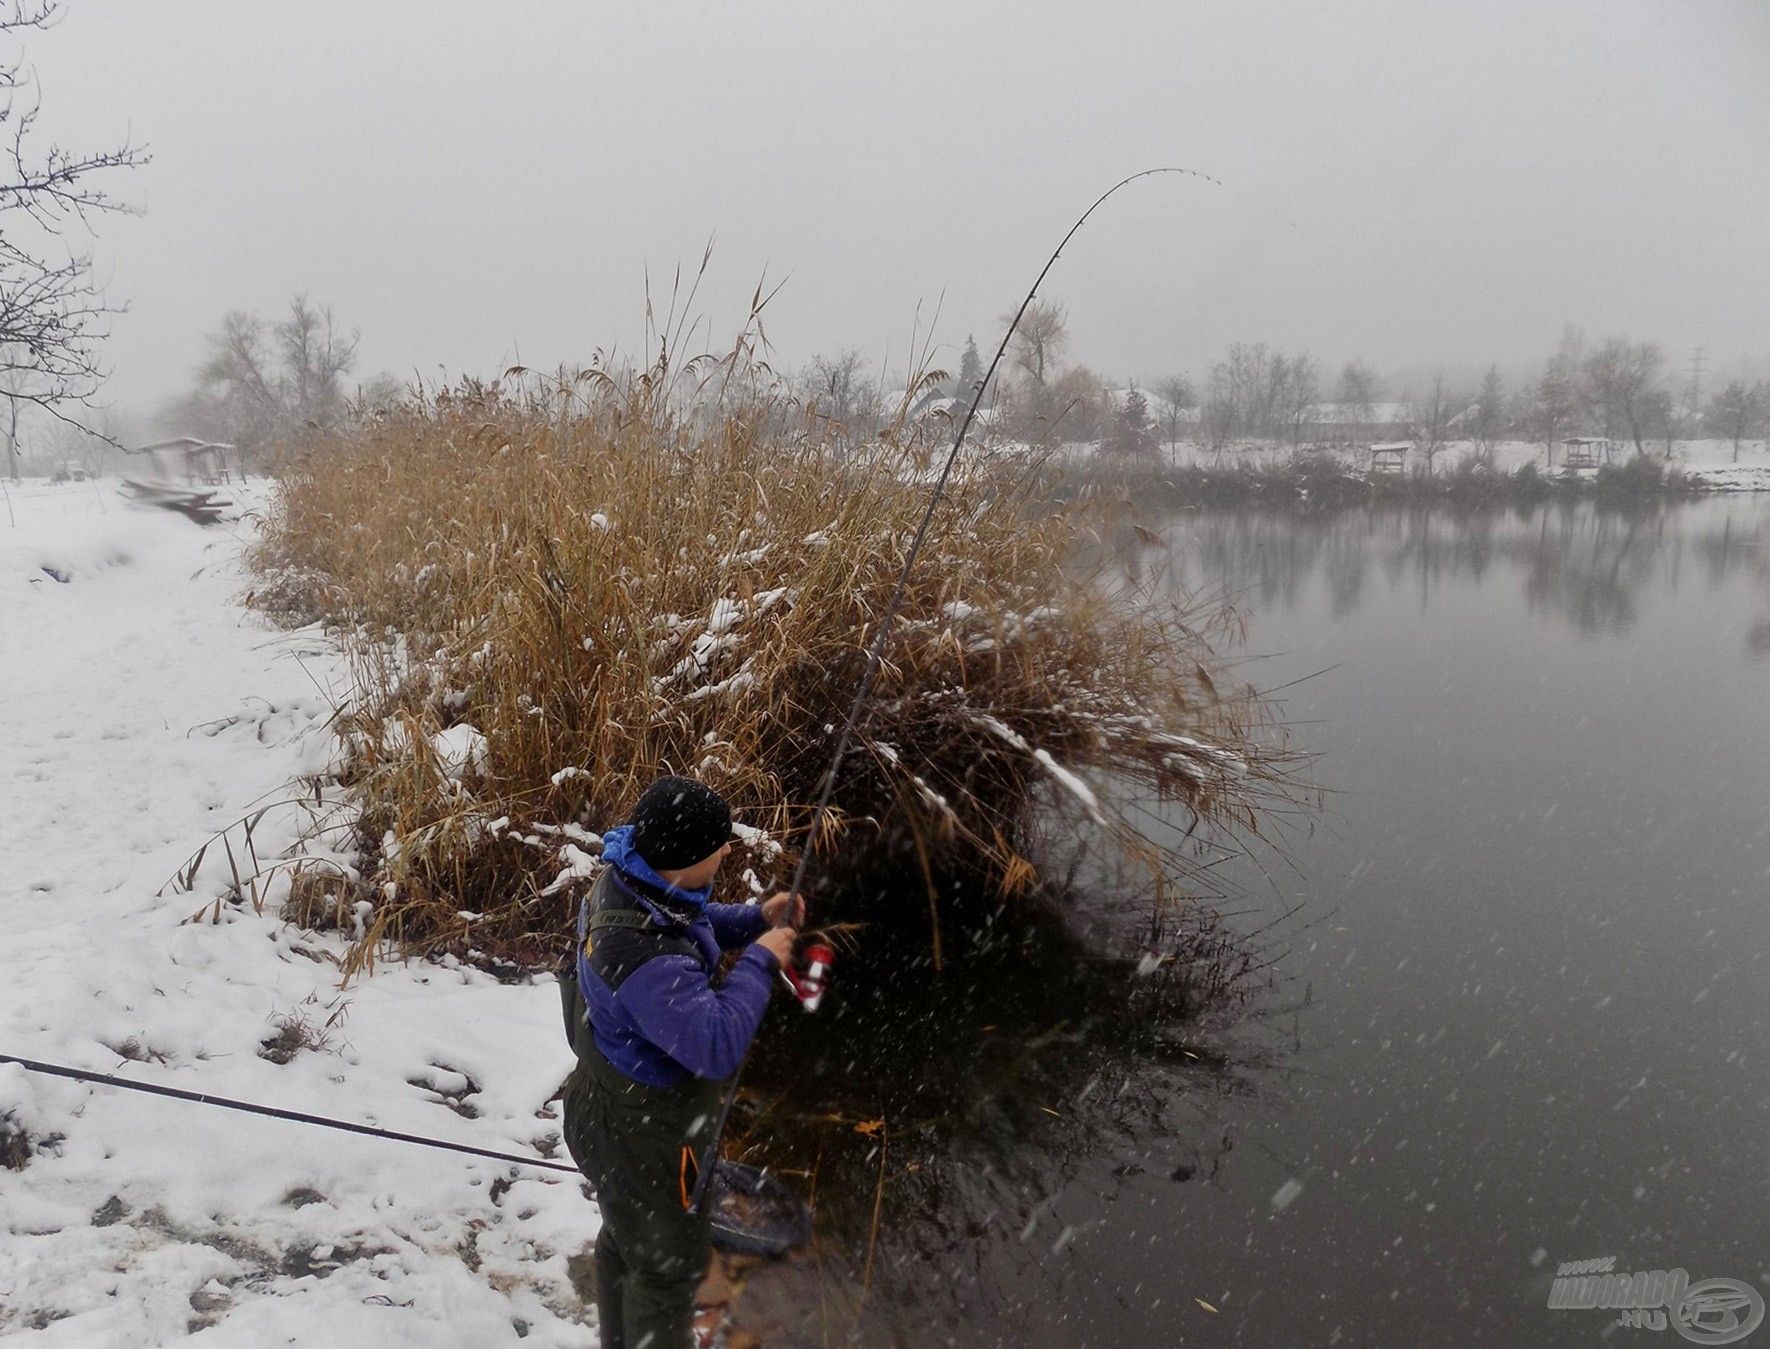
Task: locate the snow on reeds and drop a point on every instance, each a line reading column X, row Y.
column 551, row 596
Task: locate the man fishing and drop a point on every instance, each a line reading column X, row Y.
column 658, row 1033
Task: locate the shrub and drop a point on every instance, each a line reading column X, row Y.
column 1641, row 474
column 1636, row 474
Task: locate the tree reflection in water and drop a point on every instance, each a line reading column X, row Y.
column 960, row 1128
column 1582, row 561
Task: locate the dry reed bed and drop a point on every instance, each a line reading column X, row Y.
column 546, row 606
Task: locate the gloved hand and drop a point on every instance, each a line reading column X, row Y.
column 779, row 941
column 784, row 910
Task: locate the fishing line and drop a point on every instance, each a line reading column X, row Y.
column 273, row 1112
column 876, row 651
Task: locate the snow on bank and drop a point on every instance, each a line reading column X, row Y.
column 141, row 711
column 1709, row 463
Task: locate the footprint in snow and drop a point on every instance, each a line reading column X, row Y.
column 449, row 1087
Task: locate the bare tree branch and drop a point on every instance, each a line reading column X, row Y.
column 52, row 311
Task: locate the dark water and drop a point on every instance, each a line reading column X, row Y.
column 1524, row 1016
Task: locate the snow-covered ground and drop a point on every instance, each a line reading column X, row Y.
column 1709, row 462
column 142, row 709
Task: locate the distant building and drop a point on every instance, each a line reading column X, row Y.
column 929, row 404
column 1352, row 423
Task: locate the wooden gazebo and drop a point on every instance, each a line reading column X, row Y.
column 1390, row 456
column 198, row 462
column 1586, row 451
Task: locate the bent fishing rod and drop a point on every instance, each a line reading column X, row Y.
column 876, row 652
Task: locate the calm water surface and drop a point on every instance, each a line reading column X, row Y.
column 1523, row 1015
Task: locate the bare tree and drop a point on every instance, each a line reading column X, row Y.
column 1298, row 394
column 1431, row 419
column 1666, row 419
column 316, row 357
column 379, row 394
column 1256, row 391
column 1039, row 340
column 1241, row 385
column 1231, row 380
column 1077, row 404
column 1487, row 420
column 838, row 389
column 1359, row 391
column 1178, row 398
column 1217, row 420
column 1550, row 404
column 265, row 382
column 240, row 394
column 1619, row 379
column 1736, row 409
column 76, row 447
column 1270, row 396
column 13, row 382
column 52, row 311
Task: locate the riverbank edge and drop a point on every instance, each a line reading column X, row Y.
column 1326, row 481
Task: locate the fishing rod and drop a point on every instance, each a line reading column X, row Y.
column 876, row 652
column 808, row 986
column 274, row 1112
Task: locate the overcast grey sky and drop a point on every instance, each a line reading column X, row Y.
column 1418, row 183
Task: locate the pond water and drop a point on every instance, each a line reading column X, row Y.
column 1520, row 1017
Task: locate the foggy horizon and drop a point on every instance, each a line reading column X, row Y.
column 1422, row 189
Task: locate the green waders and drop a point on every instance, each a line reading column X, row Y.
column 640, row 1147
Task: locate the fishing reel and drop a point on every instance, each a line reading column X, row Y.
column 808, row 982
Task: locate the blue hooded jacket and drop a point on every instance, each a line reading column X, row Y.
column 648, row 991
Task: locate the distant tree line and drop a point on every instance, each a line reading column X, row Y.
column 265, row 383
column 1619, row 389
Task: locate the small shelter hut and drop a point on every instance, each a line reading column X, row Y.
column 197, row 462
column 1390, row 456
column 200, row 464
column 1586, row 451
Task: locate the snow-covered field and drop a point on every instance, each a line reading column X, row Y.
column 1711, row 463
column 142, row 709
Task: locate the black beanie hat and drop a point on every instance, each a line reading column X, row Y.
column 679, row 822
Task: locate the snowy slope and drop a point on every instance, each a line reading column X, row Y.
column 142, row 710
